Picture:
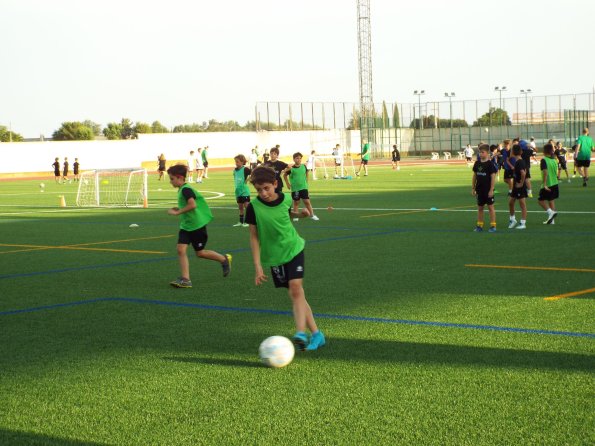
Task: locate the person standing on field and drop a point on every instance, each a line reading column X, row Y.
column 582, row 154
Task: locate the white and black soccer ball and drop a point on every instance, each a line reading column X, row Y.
column 276, row 351
column 41, row 185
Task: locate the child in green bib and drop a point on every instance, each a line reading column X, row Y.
column 296, row 180
column 276, row 244
column 241, row 173
column 194, row 216
column 549, row 192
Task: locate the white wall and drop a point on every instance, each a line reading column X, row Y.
column 36, row 156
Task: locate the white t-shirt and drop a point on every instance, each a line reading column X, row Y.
column 310, row 164
column 199, row 164
column 469, row 152
column 191, row 162
column 253, row 158
column 338, row 156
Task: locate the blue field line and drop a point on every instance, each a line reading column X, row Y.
column 380, row 320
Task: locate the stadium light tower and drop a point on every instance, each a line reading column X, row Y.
column 500, row 90
column 419, row 94
column 364, row 46
column 526, row 93
column 450, row 96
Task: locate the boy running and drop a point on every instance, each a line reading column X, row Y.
column 484, row 180
column 519, row 190
column 240, row 178
column 194, row 215
column 276, row 244
column 549, row 192
column 296, row 180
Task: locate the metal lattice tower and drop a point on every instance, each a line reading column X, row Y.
column 364, row 41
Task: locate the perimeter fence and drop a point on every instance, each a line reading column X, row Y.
column 446, row 126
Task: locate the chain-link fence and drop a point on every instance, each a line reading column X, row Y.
column 421, row 127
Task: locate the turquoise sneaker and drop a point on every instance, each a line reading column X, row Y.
column 316, row 341
column 300, row 340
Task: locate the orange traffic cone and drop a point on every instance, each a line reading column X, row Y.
column 62, row 201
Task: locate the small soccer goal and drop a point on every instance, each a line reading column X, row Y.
column 329, row 166
column 113, row 188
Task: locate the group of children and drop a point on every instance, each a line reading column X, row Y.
column 274, row 241
column 515, row 158
column 63, row 177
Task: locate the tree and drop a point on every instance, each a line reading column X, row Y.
column 385, row 122
column 113, row 131
column 157, row 127
column 73, row 131
column 8, row 135
column 141, row 127
column 396, row 116
column 127, row 129
column 123, row 130
column 494, row 117
column 93, row 126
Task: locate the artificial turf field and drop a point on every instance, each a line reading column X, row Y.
column 97, row 348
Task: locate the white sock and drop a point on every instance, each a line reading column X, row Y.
column 523, row 222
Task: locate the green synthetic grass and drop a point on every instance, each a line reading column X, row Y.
column 116, row 365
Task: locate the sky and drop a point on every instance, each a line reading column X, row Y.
column 187, row 61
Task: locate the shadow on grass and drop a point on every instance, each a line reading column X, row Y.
column 216, row 361
column 18, row 438
column 454, row 355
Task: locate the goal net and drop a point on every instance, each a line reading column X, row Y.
column 113, row 188
column 329, row 166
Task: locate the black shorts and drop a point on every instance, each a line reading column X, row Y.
column 243, row 199
column 398, row 158
column 206, row 164
column 300, row 194
column 56, row 173
column 364, row 161
column 508, row 174
column 583, row 163
column 294, row 269
column 197, row 238
column 253, row 166
column 65, row 174
column 562, row 163
column 468, row 158
column 338, row 163
column 483, row 199
column 553, row 193
column 519, row 192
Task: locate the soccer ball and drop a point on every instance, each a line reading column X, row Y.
column 276, row 351
column 41, row 185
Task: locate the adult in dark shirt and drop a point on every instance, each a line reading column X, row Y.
column 527, row 153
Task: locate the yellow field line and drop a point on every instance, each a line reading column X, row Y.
column 125, row 240
column 574, row 293
column 538, row 268
column 81, row 246
column 414, row 212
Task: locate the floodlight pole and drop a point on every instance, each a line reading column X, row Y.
column 500, row 90
column 364, row 40
column 450, row 96
column 526, row 93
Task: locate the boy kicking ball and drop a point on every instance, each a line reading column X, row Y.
column 194, row 215
column 276, row 244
